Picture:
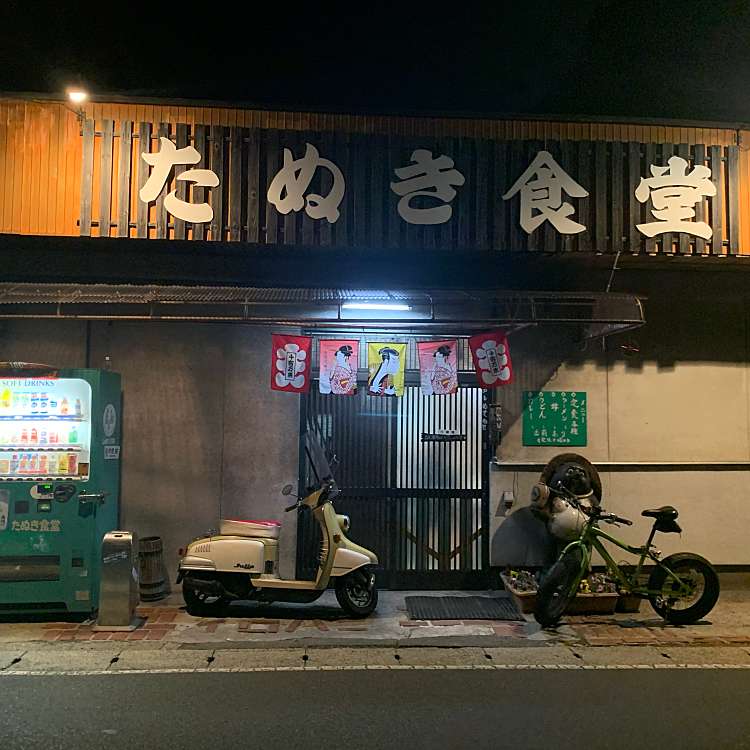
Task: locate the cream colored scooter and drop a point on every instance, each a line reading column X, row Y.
column 241, row 563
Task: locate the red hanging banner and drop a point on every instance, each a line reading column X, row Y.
column 491, row 356
column 290, row 363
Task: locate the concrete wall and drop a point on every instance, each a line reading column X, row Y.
column 681, row 401
column 261, row 434
column 204, row 437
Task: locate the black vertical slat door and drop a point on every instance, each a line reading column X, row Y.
column 422, row 506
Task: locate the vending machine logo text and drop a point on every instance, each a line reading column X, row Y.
column 53, row 525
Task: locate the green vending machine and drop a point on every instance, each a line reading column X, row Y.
column 59, row 485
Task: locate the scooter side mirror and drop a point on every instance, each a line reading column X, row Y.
column 287, row 489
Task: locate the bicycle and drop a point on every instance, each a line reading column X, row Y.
column 682, row 588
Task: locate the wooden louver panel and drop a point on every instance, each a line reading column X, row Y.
column 246, row 159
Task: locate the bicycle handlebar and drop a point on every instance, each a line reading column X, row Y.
column 612, row 518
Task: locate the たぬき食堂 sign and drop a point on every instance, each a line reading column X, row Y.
column 358, row 191
column 554, row 418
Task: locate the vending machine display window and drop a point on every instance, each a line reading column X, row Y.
column 45, row 428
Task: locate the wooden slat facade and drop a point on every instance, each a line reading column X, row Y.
column 45, row 152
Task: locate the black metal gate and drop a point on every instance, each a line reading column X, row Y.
column 413, row 472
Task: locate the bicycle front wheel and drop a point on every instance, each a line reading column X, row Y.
column 558, row 588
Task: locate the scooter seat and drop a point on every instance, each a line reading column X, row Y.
column 234, row 527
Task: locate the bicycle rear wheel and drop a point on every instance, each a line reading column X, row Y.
column 558, row 588
column 703, row 583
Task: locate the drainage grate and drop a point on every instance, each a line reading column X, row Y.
column 461, row 608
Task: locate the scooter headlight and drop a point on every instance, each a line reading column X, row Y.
column 344, row 522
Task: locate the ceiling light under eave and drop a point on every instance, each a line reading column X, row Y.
column 390, row 306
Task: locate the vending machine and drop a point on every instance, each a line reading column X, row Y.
column 59, row 485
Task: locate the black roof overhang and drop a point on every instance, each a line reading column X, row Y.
column 92, row 278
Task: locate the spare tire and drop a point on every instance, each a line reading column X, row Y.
column 575, row 472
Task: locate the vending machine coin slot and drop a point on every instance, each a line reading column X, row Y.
column 43, row 506
column 63, row 492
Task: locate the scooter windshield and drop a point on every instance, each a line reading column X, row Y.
column 317, row 457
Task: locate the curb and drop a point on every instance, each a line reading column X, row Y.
column 449, row 641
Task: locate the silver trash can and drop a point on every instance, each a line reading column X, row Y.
column 118, row 586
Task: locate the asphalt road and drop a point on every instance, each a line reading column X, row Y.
column 379, row 709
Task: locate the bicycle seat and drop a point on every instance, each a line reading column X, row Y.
column 665, row 513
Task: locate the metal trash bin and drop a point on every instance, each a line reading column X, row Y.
column 118, row 586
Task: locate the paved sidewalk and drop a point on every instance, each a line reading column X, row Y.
column 188, row 642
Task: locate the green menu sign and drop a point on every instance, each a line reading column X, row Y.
column 554, row 418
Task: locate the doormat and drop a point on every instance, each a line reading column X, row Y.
column 461, row 608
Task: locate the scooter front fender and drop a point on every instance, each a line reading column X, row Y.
column 347, row 560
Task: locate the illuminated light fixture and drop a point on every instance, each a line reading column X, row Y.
column 77, row 96
column 391, row 306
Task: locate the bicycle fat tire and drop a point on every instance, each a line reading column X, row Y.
column 684, row 562
column 558, row 588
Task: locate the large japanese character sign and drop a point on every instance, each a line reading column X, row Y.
column 491, row 356
column 161, row 163
column 290, row 363
column 287, row 189
column 541, row 187
column 674, row 192
column 427, row 177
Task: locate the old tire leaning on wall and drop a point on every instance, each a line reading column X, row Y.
column 154, row 583
column 557, row 466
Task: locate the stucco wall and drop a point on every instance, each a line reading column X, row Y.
column 203, row 435
column 681, row 400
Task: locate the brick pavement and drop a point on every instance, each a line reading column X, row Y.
column 167, row 622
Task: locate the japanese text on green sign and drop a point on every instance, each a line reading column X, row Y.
column 554, row 418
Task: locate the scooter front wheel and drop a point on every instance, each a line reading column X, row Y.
column 356, row 593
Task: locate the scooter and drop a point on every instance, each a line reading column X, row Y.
column 241, row 562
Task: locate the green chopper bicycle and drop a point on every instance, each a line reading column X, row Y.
column 682, row 587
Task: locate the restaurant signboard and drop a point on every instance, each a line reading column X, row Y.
column 363, row 191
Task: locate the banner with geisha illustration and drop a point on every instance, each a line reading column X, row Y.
column 386, row 364
column 338, row 367
column 438, row 367
column 491, row 356
column 290, row 363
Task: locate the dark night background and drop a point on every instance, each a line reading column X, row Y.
column 686, row 60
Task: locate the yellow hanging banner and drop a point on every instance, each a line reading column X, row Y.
column 386, row 363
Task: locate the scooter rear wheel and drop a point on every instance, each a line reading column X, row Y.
column 356, row 593
column 196, row 604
